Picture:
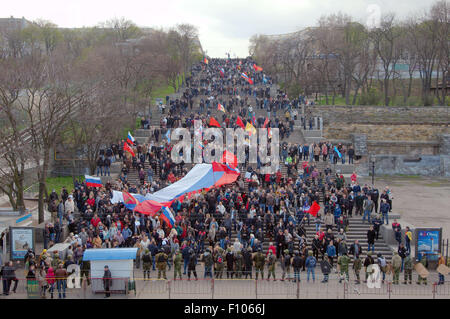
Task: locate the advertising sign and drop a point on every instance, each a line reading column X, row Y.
column 428, row 242
column 21, row 239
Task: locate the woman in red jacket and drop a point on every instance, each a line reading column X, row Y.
column 50, row 277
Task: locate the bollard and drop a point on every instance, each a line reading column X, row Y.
column 389, row 289
column 212, row 288
column 168, row 287
column 434, row 290
column 256, row 288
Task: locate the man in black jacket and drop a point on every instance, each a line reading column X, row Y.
column 367, row 262
column 316, row 246
column 355, row 249
column 107, row 281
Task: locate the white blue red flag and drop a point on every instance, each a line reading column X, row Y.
column 168, row 217
column 245, row 76
column 92, row 181
column 130, row 139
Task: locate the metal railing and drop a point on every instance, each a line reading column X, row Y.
column 227, row 289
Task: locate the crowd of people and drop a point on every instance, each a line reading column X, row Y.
column 226, row 228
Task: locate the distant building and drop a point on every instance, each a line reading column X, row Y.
column 11, row 24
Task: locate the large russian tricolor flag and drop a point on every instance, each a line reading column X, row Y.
column 92, row 181
column 200, row 177
column 130, row 139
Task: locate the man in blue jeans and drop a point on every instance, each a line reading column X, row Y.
column 185, row 253
column 384, row 209
column 310, row 266
column 368, row 208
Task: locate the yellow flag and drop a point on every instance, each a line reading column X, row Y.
column 250, row 129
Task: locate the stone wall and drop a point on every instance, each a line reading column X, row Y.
column 384, row 132
column 382, row 115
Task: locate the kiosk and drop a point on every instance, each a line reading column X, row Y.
column 120, row 263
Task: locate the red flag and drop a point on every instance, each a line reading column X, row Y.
column 213, row 122
column 240, row 123
column 127, row 148
column 229, row 158
column 266, row 122
column 257, row 68
column 314, row 209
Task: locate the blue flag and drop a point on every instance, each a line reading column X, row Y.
column 337, row 151
column 168, row 136
column 264, row 79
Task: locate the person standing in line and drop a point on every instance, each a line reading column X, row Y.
column 310, row 264
column 441, row 261
column 61, row 281
column 107, row 281
column 191, row 264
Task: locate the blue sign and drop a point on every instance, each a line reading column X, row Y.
column 428, row 243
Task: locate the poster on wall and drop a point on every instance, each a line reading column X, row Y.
column 428, row 243
column 21, row 239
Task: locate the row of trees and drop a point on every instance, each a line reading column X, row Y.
column 343, row 57
column 78, row 89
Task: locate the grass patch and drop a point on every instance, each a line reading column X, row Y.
column 165, row 90
column 405, row 176
column 434, row 184
column 57, row 183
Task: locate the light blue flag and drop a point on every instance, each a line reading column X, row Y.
column 168, row 135
column 337, row 151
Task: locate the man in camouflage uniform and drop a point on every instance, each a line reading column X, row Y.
column 357, row 265
column 208, row 261
column 177, row 261
column 271, row 265
column 219, row 263
column 285, row 265
column 424, row 262
column 238, row 264
column 146, row 263
column 407, row 268
column 343, row 262
column 396, row 267
column 55, row 260
column 161, row 263
column 259, row 263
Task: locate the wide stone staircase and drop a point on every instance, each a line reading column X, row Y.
column 356, row 230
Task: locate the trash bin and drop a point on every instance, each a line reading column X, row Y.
column 33, row 289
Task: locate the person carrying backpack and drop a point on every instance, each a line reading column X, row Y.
column 286, row 264
column 177, row 260
column 310, row 263
column 271, row 265
column 325, row 266
column 219, row 265
column 191, row 264
column 383, row 265
column 208, row 261
column 161, row 263
column 146, row 263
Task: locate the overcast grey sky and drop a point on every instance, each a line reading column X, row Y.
column 224, row 26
